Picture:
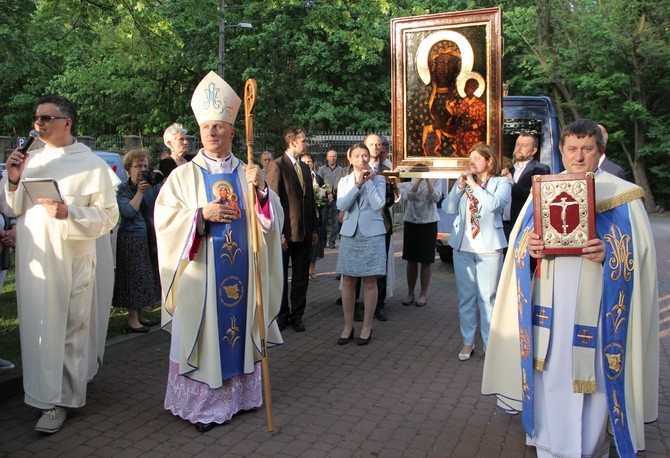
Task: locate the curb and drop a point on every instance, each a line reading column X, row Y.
column 12, row 384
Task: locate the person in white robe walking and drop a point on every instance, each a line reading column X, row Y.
column 56, row 259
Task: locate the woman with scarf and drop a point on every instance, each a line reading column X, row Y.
column 478, row 200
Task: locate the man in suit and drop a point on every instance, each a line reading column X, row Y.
column 607, row 165
column 376, row 147
column 290, row 178
column 521, row 174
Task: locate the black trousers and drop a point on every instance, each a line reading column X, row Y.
column 299, row 255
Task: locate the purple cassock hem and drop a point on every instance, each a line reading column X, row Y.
column 198, row 403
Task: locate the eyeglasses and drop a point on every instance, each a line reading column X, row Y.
column 47, row 118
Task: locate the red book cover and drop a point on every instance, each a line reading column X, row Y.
column 564, row 211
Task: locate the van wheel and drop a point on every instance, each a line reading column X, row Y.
column 446, row 253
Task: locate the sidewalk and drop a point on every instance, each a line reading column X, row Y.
column 404, row 395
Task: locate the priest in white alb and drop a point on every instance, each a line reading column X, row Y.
column 62, row 318
column 574, row 345
column 203, row 227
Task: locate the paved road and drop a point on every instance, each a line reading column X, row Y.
column 404, row 395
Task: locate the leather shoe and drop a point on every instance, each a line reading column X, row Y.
column 141, row 329
column 345, row 340
column 408, row 301
column 146, row 322
column 464, row 356
column 282, row 323
column 204, row 427
column 362, row 341
column 380, row 314
column 298, row 325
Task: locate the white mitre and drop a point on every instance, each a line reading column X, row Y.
column 215, row 100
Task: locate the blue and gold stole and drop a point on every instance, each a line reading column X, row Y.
column 231, row 263
column 615, row 229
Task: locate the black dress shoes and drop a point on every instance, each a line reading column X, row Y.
column 282, row 323
column 146, row 322
column 141, row 329
column 298, row 325
column 345, row 340
column 204, row 427
column 362, row 341
column 380, row 314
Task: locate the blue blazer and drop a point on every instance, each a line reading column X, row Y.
column 492, row 202
column 361, row 207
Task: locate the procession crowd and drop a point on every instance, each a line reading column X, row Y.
column 571, row 339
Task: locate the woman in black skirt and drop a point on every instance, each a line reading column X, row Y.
column 419, row 234
column 136, row 286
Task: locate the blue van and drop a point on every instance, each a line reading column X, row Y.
column 115, row 161
column 521, row 113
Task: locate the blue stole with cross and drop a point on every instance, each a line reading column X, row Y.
column 614, row 228
column 231, row 264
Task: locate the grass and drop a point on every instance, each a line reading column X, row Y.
column 10, row 344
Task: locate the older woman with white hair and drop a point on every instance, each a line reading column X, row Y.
column 175, row 139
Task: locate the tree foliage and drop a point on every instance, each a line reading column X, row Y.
column 131, row 65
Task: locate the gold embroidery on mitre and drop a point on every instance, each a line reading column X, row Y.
column 618, row 200
column 621, row 262
column 584, row 386
column 232, row 334
column 521, row 253
column 617, row 313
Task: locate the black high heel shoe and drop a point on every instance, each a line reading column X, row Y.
column 345, row 340
column 204, row 427
column 362, row 341
column 141, row 329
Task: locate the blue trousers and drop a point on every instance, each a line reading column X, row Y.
column 477, row 276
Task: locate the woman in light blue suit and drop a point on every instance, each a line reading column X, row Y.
column 478, row 239
column 361, row 195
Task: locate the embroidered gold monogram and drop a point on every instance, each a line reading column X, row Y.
column 621, row 261
column 617, row 313
column 521, row 253
column 230, row 247
column 232, row 334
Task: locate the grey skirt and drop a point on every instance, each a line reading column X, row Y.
column 362, row 256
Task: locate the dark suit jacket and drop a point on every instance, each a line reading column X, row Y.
column 390, row 199
column 299, row 208
column 614, row 169
column 521, row 189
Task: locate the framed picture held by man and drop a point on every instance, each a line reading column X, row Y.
column 446, row 88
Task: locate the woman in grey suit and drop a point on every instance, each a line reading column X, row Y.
column 361, row 195
column 478, row 239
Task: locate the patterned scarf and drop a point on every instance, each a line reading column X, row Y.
column 474, row 212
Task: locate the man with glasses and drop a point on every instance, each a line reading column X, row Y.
column 62, row 333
